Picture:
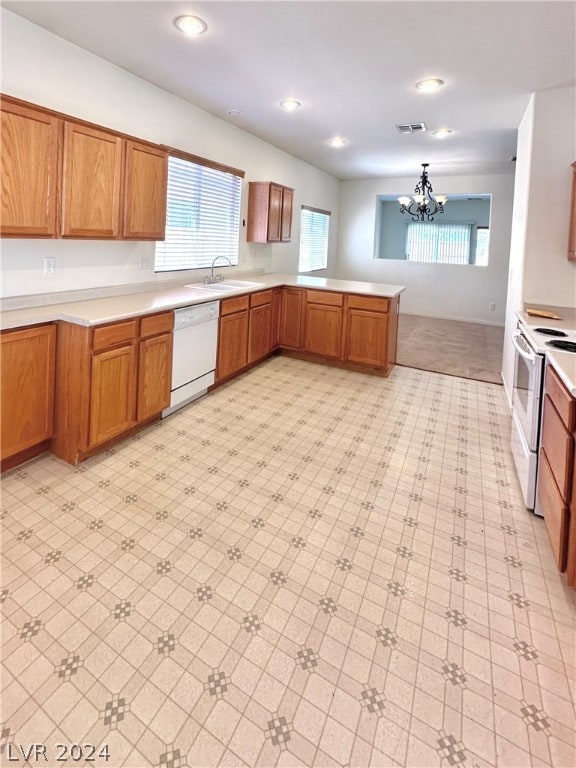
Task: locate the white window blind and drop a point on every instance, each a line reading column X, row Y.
column 202, row 217
column 314, row 226
column 438, row 243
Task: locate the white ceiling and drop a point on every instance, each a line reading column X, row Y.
column 353, row 65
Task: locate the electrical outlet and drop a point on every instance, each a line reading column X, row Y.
column 492, row 306
column 144, row 262
column 49, row 265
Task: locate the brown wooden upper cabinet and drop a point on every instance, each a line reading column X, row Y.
column 29, row 167
column 270, row 208
column 91, row 182
column 146, row 184
column 62, row 177
column 572, row 231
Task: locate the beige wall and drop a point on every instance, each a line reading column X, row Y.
column 539, row 271
column 434, row 290
column 39, row 67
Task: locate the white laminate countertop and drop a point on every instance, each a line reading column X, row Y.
column 109, row 309
column 564, row 363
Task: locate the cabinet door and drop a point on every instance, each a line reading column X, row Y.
column 154, row 374
column 145, row 192
column 571, row 549
column 554, row 509
column 275, row 320
column 275, row 215
column 559, row 446
column 29, row 170
column 27, row 387
column 232, row 344
column 259, row 332
column 291, row 317
column 365, row 337
column 287, row 205
column 92, row 178
column 112, row 393
column 572, row 230
column 323, row 330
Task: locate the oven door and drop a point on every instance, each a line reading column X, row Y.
column 528, row 368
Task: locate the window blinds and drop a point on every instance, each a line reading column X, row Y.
column 438, row 243
column 202, row 217
column 314, row 225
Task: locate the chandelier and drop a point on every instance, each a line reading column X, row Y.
column 423, row 205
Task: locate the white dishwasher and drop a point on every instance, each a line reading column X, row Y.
column 194, row 353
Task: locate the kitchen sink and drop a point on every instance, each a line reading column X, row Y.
column 225, row 285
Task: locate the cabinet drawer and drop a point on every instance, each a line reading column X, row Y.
column 156, row 324
column 555, row 511
column 325, row 297
column 564, row 403
column 236, row 304
column 368, row 302
column 110, row 335
column 262, row 297
column 559, row 447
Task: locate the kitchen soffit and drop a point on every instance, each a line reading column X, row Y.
column 353, row 65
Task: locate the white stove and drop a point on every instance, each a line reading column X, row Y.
column 535, row 345
column 547, row 338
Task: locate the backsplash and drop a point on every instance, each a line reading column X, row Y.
column 84, row 294
column 85, row 267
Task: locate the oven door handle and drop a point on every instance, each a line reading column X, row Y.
column 531, row 357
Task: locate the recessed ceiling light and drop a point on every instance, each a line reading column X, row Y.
column 441, row 133
column 337, row 141
column 431, row 84
column 190, row 25
column 290, row 104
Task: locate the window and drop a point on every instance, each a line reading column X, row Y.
column 202, row 215
column 482, row 240
column 438, row 243
column 314, row 225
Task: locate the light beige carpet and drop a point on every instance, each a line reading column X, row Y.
column 470, row 350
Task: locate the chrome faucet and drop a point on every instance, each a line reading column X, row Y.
column 218, row 278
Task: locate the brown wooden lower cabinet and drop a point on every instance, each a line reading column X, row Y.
column 275, row 318
column 109, row 379
column 290, row 329
column 232, row 336
column 323, row 323
column 155, row 367
column 259, row 332
column 366, row 334
column 571, row 549
column 557, row 472
column 555, row 511
column 27, row 359
column 112, row 394
column 248, row 331
column 370, row 334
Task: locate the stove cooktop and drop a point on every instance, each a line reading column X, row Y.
column 566, row 346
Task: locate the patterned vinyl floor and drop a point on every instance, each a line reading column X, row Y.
column 307, row 567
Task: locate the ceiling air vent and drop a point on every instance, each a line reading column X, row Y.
column 411, row 128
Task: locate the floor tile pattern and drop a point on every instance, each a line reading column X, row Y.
column 307, row 567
